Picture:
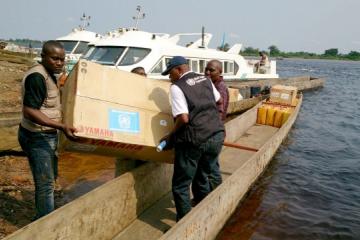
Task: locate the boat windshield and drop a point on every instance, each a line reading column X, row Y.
column 88, row 52
column 68, row 45
column 106, row 55
column 134, row 55
column 81, row 48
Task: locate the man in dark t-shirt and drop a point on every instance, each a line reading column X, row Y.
column 40, row 122
column 35, row 90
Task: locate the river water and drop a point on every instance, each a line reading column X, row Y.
column 311, row 189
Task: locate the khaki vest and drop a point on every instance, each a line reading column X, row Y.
column 51, row 106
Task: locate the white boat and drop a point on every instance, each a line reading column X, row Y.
column 76, row 42
column 127, row 48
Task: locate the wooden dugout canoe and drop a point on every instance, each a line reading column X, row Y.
column 138, row 204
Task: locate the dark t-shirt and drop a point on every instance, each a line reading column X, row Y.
column 35, row 90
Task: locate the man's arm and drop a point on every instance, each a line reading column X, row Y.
column 35, row 94
column 40, row 118
column 179, row 111
column 180, row 121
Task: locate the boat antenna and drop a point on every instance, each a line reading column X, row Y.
column 140, row 15
column 85, row 21
column 203, row 37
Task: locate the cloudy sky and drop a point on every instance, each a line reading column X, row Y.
column 307, row 25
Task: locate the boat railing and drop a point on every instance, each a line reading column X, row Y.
column 195, row 44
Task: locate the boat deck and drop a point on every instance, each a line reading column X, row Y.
column 161, row 216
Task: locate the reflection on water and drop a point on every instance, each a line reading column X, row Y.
column 311, row 189
column 79, row 173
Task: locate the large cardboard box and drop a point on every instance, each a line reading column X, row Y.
column 116, row 113
column 283, row 95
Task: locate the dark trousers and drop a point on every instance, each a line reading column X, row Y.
column 214, row 178
column 193, row 164
column 40, row 148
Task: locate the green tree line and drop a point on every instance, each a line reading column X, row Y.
column 274, row 51
column 332, row 53
column 25, row 42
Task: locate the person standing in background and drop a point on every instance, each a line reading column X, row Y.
column 213, row 71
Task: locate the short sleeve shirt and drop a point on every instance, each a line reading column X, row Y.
column 178, row 100
column 35, row 90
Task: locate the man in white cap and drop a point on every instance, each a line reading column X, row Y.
column 198, row 133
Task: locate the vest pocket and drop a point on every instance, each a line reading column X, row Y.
column 52, row 99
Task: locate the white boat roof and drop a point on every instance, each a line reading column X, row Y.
column 80, row 35
column 134, row 38
column 164, row 46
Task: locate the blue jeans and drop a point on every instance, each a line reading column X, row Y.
column 40, row 148
column 214, row 179
column 193, row 164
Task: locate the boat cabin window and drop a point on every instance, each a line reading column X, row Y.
column 68, row 45
column 158, row 69
column 228, row 68
column 167, row 60
column 194, row 66
column 160, row 65
column 106, row 55
column 134, row 55
column 202, row 66
column 81, row 48
column 88, row 52
column 236, row 68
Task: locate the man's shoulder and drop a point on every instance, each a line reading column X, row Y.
column 34, row 79
column 220, row 84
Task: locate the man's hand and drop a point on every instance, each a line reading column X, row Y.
column 169, row 142
column 69, row 132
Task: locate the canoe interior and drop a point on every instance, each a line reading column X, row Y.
column 138, row 204
column 161, row 216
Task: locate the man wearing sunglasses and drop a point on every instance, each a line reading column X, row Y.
column 198, row 133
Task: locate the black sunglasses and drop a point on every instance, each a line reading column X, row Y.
column 210, row 69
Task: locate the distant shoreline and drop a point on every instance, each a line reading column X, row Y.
column 306, row 58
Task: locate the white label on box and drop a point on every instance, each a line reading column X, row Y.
column 285, row 96
column 163, row 122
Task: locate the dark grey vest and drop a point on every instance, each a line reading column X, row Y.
column 204, row 120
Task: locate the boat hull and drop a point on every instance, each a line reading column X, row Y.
column 208, row 218
column 116, row 210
